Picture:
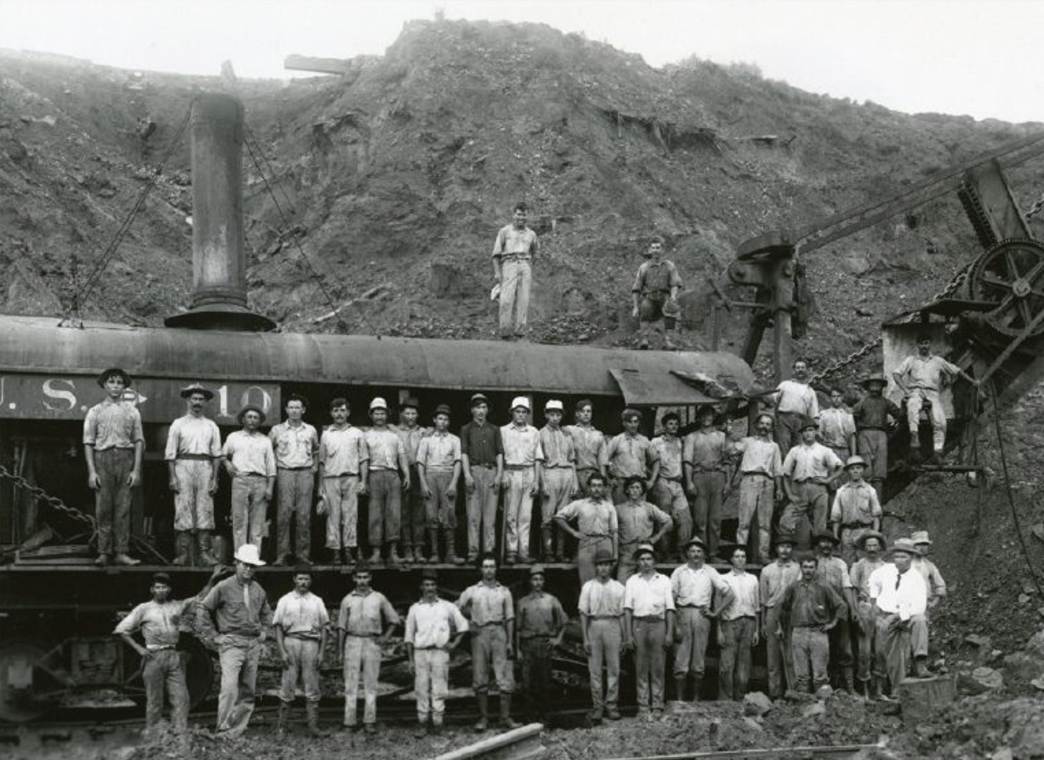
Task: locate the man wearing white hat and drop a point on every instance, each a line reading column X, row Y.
column 901, row 598
column 559, row 481
column 523, row 456
column 385, row 487
column 238, row 608
column 856, row 509
column 927, row 568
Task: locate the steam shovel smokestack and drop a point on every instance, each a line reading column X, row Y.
column 219, row 294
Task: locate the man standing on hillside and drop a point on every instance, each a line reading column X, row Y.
column 795, row 402
column 921, row 378
column 775, row 579
column 296, row 443
column 871, row 415
column 811, row 610
column 871, row 544
column 808, row 471
column 597, row 526
column 193, row 452
column 515, row 247
column 856, row 510
column 602, row 621
column 656, row 286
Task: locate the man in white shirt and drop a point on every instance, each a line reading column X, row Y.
column 761, row 471
column 559, row 484
column 295, row 443
column 389, row 477
column 648, row 629
column 693, row 586
column 515, row 247
column 795, row 402
column 738, row 628
column 250, row 462
column 344, row 461
column 434, row 628
column 300, row 623
column 438, row 471
column 523, row 459
column 901, row 598
column 602, row 620
column 809, row 469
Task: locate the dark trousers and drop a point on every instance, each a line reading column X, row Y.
column 536, row 673
column 414, row 517
column 113, row 499
column 295, row 488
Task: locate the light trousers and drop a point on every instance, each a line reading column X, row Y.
column 518, row 509
column 650, row 659
column 239, row 659
column 431, row 683
column 735, row 637
column 249, row 508
column 193, row 503
column 341, row 494
column 362, row 656
column 605, row 637
column 757, row 496
column 516, row 280
column 689, row 653
column 295, row 489
column 163, row 672
column 303, row 669
column 482, row 511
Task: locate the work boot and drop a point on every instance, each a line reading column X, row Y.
column 511, row 559
column 483, row 706
column 407, row 555
column 668, row 344
column 697, row 683
column 281, row 561
column 103, row 559
column 849, row 681
column 313, row 720
column 547, row 544
column 182, row 546
column 596, row 716
column 124, row 559
column 921, row 668
column 679, row 688
column 346, row 555
column 436, row 727
column 505, row 713
column 875, row 689
column 612, row 713
column 451, row 551
column 433, row 541
column 422, row 729
column 643, row 345
column 281, row 719
column 375, row 557
column 393, row 554
column 205, row 543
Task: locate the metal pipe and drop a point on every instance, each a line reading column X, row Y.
column 219, row 297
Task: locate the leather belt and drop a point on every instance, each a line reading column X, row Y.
column 196, row 457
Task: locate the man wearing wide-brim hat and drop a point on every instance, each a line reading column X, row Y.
column 523, row 464
column 900, row 596
column 601, row 621
column 250, row 462
column 192, row 453
column 871, row 545
column 238, row 608
column 871, row 415
column 114, row 445
column 648, row 629
column 927, row 568
column 856, row 509
column 808, row 471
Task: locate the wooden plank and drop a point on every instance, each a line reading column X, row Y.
column 830, row 751
column 296, row 62
column 920, row 697
column 518, row 744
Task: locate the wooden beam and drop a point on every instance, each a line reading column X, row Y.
column 518, row 744
column 296, row 62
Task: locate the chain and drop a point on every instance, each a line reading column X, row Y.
column 869, row 348
column 55, row 503
column 1037, row 207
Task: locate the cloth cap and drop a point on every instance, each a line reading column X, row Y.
column 249, row 554
column 302, row 568
column 479, row 398
column 695, row 541
column 644, row 549
column 786, row 538
column 430, row 574
column 362, row 566
column 518, row 401
column 443, row 409
column 920, row 537
column 807, row 423
column 826, row 535
column 104, row 376
column 410, row 402
column 251, row 408
column 553, row 405
column 866, row 382
column 188, row 390
column 161, row 578
column 854, row 459
column 536, row 570
column 904, row 545
column 378, row 403
column 861, row 541
column 602, row 556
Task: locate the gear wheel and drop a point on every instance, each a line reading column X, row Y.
column 1010, row 275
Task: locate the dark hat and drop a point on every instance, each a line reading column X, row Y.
column 161, row 578
column 302, row 568
column 786, row 538
column 104, row 376
column 644, row 549
column 430, row 574
column 635, row 479
column 866, row 382
column 826, row 534
column 603, row 556
column 861, row 541
column 362, row 566
column 807, row 423
column 536, row 570
column 443, row 409
column 479, row 398
column 410, row 402
column 188, row 390
column 251, row 408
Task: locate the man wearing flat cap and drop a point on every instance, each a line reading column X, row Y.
column 559, row 483
column 900, row 596
column 162, row 670
column 113, row 447
column 193, row 453
column 602, row 621
column 648, row 629
column 389, row 477
column 434, row 628
column 631, row 455
column 438, row 470
column 540, row 623
column 482, row 464
column 523, row 460
column 250, row 461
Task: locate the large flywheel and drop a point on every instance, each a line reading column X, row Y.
column 1011, row 275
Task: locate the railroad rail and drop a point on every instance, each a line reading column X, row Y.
column 828, row 752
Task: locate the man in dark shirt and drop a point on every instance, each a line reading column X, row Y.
column 539, row 624
column 811, row 609
column 871, row 415
column 482, row 461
